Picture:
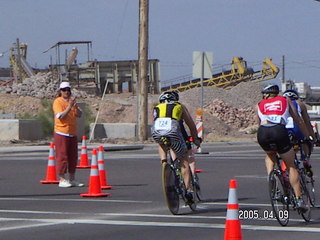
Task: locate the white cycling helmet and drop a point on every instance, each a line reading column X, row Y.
column 271, row 89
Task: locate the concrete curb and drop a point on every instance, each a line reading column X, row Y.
column 107, row 148
column 29, row 149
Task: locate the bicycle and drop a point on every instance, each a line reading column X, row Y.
column 300, row 158
column 174, row 188
column 282, row 194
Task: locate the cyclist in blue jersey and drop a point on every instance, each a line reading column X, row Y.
column 295, row 130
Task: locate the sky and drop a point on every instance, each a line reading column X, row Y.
column 252, row 29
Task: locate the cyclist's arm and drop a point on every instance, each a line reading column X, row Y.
column 257, row 118
column 306, row 118
column 190, row 123
column 297, row 119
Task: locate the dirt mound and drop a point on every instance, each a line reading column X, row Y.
column 227, row 113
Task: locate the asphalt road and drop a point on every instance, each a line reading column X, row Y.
column 136, row 209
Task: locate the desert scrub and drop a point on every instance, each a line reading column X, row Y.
column 45, row 117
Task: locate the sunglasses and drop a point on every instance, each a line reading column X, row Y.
column 65, row 89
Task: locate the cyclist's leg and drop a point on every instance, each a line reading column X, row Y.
column 163, row 145
column 178, row 145
column 192, row 162
column 270, row 161
column 162, row 149
column 288, row 158
column 266, row 141
column 185, row 170
column 286, row 151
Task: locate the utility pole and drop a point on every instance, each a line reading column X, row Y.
column 18, row 63
column 143, row 70
column 283, row 69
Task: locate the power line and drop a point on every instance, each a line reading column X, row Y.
column 120, row 30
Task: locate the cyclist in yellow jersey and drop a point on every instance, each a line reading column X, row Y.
column 166, row 131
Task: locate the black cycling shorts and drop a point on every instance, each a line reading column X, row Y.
column 274, row 138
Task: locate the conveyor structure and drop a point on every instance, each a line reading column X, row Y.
column 239, row 72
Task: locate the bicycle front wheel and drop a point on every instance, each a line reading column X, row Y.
column 197, row 186
column 306, row 215
column 311, row 190
column 193, row 188
column 278, row 197
column 171, row 194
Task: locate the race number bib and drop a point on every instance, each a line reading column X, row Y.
column 163, row 124
column 274, row 118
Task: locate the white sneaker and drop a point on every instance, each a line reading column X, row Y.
column 76, row 184
column 64, row 183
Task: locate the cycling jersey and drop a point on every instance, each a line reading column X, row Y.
column 272, row 134
column 171, row 110
column 166, row 128
column 274, row 110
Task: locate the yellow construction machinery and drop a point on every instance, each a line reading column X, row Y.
column 239, row 72
column 18, row 62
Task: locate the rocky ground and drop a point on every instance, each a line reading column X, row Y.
column 228, row 114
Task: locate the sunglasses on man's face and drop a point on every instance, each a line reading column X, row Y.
column 65, row 89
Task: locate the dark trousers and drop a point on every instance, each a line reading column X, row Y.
column 66, row 153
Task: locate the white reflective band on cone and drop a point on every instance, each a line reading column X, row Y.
column 232, row 214
column 232, row 198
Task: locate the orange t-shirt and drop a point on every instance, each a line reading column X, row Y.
column 68, row 124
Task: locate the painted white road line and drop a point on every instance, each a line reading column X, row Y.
column 36, row 212
column 47, row 222
column 74, row 200
column 134, row 215
column 252, row 176
column 26, row 226
column 182, row 216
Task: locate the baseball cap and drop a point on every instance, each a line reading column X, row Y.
column 64, row 85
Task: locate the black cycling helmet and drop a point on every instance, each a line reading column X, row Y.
column 291, row 93
column 167, row 96
column 271, row 89
column 176, row 94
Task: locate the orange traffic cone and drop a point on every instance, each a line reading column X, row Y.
column 51, row 176
column 102, row 171
column 84, row 155
column 233, row 226
column 94, row 182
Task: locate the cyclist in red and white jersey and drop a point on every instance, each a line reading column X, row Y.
column 273, row 112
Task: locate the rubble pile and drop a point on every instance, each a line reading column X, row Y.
column 238, row 118
column 227, row 113
column 42, row 85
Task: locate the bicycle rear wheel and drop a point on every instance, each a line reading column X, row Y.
column 169, row 188
column 306, row 198
column 279, row 200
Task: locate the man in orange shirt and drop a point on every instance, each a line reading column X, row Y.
column 66, row 111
